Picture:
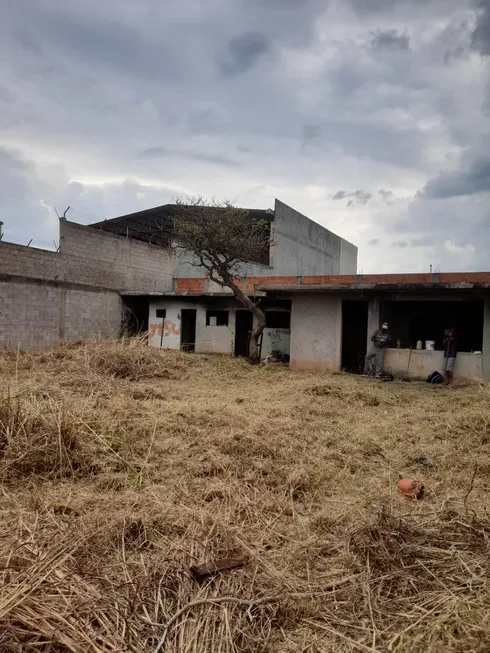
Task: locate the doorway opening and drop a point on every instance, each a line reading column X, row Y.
column 243, row 329
column 136, row 315
column 354, row 335
column 188, row 329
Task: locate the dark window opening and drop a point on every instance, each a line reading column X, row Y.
column 216, row 318
column 426, row 320
column 162, row 313
column 278, row 320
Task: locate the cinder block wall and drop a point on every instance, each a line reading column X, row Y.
column 74, row 293
column 24, row 261
column 95, row 257
column 36, row 313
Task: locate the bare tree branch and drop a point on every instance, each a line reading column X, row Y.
column 221, row 237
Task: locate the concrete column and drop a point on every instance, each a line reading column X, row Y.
column 373, row 319
column 486, row 341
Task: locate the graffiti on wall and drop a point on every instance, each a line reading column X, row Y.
column 165, row 330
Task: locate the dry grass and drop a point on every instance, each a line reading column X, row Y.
column 121, row 467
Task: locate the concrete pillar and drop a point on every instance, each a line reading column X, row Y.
column 486, row 341
column 373, row 319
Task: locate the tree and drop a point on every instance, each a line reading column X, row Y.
column 223, row 239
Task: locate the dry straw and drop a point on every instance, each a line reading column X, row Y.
column 122, row 466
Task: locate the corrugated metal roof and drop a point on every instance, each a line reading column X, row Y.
column 155, row 225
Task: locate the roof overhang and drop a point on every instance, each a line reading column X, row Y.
column 375, row 288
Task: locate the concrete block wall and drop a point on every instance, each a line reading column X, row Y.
column 37, row 313
column 98, row 258
column 24, row 261
column 91, row 313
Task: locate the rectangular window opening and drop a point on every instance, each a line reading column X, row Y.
column 162, row 313
column 277, row 320
column 216, row 318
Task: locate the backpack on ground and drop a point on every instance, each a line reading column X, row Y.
column 435, row 377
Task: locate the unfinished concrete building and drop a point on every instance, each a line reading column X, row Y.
column 125, row 274
column 104, row 276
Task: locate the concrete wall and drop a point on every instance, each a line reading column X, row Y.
column 419, row 364
column 98, row 258
column 165, row 332
column 486, row 340
column 303, row 247
column 348, row 257
column 209, row 339
column 300, row 246
column 276, row 340
column 37, row 313
column 216, row 339
column 316, row 332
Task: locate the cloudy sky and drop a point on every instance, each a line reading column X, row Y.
column 370, row 116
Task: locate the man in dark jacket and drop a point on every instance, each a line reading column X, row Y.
column 376, row 353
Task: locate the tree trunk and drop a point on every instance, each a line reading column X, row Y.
column 246, row 302
column 254, row 353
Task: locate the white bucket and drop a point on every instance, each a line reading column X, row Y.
column 430, row 345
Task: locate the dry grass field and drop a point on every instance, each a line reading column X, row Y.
column 121, row 467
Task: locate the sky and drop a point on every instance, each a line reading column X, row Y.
column 372, row 117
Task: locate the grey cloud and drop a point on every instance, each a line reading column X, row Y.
column 423, row 241
column 310, row 133
column 27, row 41
column 356, row 198
column 472, row 179
column 390, row 39
column 153, row 153
column 93, row 84
column 243, row 52
column 102, row 41
column 480, row 39
column 203, row 157
column 213, row 158
column 374, row 242
column 447, row 226
column 386, row 195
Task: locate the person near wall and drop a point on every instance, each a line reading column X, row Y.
column 376, row 353
column 449, row 355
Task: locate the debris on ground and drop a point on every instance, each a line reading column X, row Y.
column 411, row 489
column 426, row 461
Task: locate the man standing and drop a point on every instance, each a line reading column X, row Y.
column 380, row 340
column 449, row 355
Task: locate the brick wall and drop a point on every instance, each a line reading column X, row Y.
column 95, row 257
column 36, row 313
column 189, row 286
